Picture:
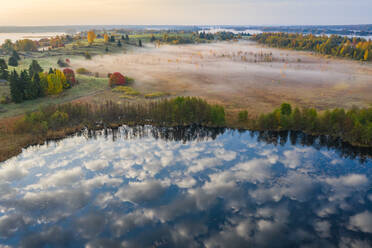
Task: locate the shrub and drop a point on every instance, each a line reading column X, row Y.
column 62, row 63
column 58, row 119
column 117, row 79
column 126, row 90
column 5, row 100
column 286, row 109
column 34, row 123
column 70, row 76
column 129, row 80
column 243, row 116
column 83, row 71
column 87, row 56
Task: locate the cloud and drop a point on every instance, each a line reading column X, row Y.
column 59, row 179
column 96, row 165
column 139, row 192
column 362, row 222
column 12, row 172
column 10, row 224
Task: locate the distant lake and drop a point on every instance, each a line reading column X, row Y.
column 217, row 30
column 32, row 36
column 187, row 187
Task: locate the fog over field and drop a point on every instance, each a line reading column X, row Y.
column 242, row 74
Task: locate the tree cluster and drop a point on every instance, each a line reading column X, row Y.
column 354, row 48
column 353, row 126
column 180, row 111
column 34, row 83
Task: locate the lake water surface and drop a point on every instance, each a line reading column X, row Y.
column 187, row 187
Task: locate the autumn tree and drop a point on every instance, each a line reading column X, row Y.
column 366, row 55
column 106, row 38
column 91, row 36
column 55, row 85
column 26, row 45
column 70, row 76
column 60, row 76
column 116, row 78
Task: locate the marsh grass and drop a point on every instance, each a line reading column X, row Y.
column 155, row 95
column 126, row 90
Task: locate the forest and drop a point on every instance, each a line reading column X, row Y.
column 353, row 48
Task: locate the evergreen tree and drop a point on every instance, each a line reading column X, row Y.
column 16, row 92
column 25, row 84
column 16, row 55
column 140, row 43
column 33, row 88
column 4, row 74
column 51, row 71
column 34, row 68
column 37, row 84
column 119, row 43
column 13, row 61
column 127, row 38
column 153, row 38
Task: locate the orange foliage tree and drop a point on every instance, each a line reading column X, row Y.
column 106, row 38
column 91, row 37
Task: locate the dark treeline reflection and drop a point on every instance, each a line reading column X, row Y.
column 200, row 133
column 184, row 134
column 344, row 149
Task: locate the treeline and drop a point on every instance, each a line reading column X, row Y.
column 177, row 111
column 190, row 38
column 353, row 126
column 34, row 83
column 218, row 36
column 354, row 48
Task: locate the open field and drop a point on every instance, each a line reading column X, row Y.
column 237, row 76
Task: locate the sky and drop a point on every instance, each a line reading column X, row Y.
column 184, row 12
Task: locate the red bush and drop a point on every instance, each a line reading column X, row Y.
column 117, row 79
column 70, row 76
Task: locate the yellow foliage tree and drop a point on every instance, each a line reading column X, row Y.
column 106, row 38
column 60, row 76
column 55, row 83
column 366, row 55
column 91, row 37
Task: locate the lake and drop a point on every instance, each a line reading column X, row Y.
column 32, row 36
column 187, row 187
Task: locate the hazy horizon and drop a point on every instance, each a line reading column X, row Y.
column 182, row 12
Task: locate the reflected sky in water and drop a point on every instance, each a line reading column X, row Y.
column 210, row 190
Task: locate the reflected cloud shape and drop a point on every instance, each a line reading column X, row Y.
column 183, row 187
column 361, row 222
column 139, row 192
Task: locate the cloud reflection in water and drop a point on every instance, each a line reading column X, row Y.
column 149, row 189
